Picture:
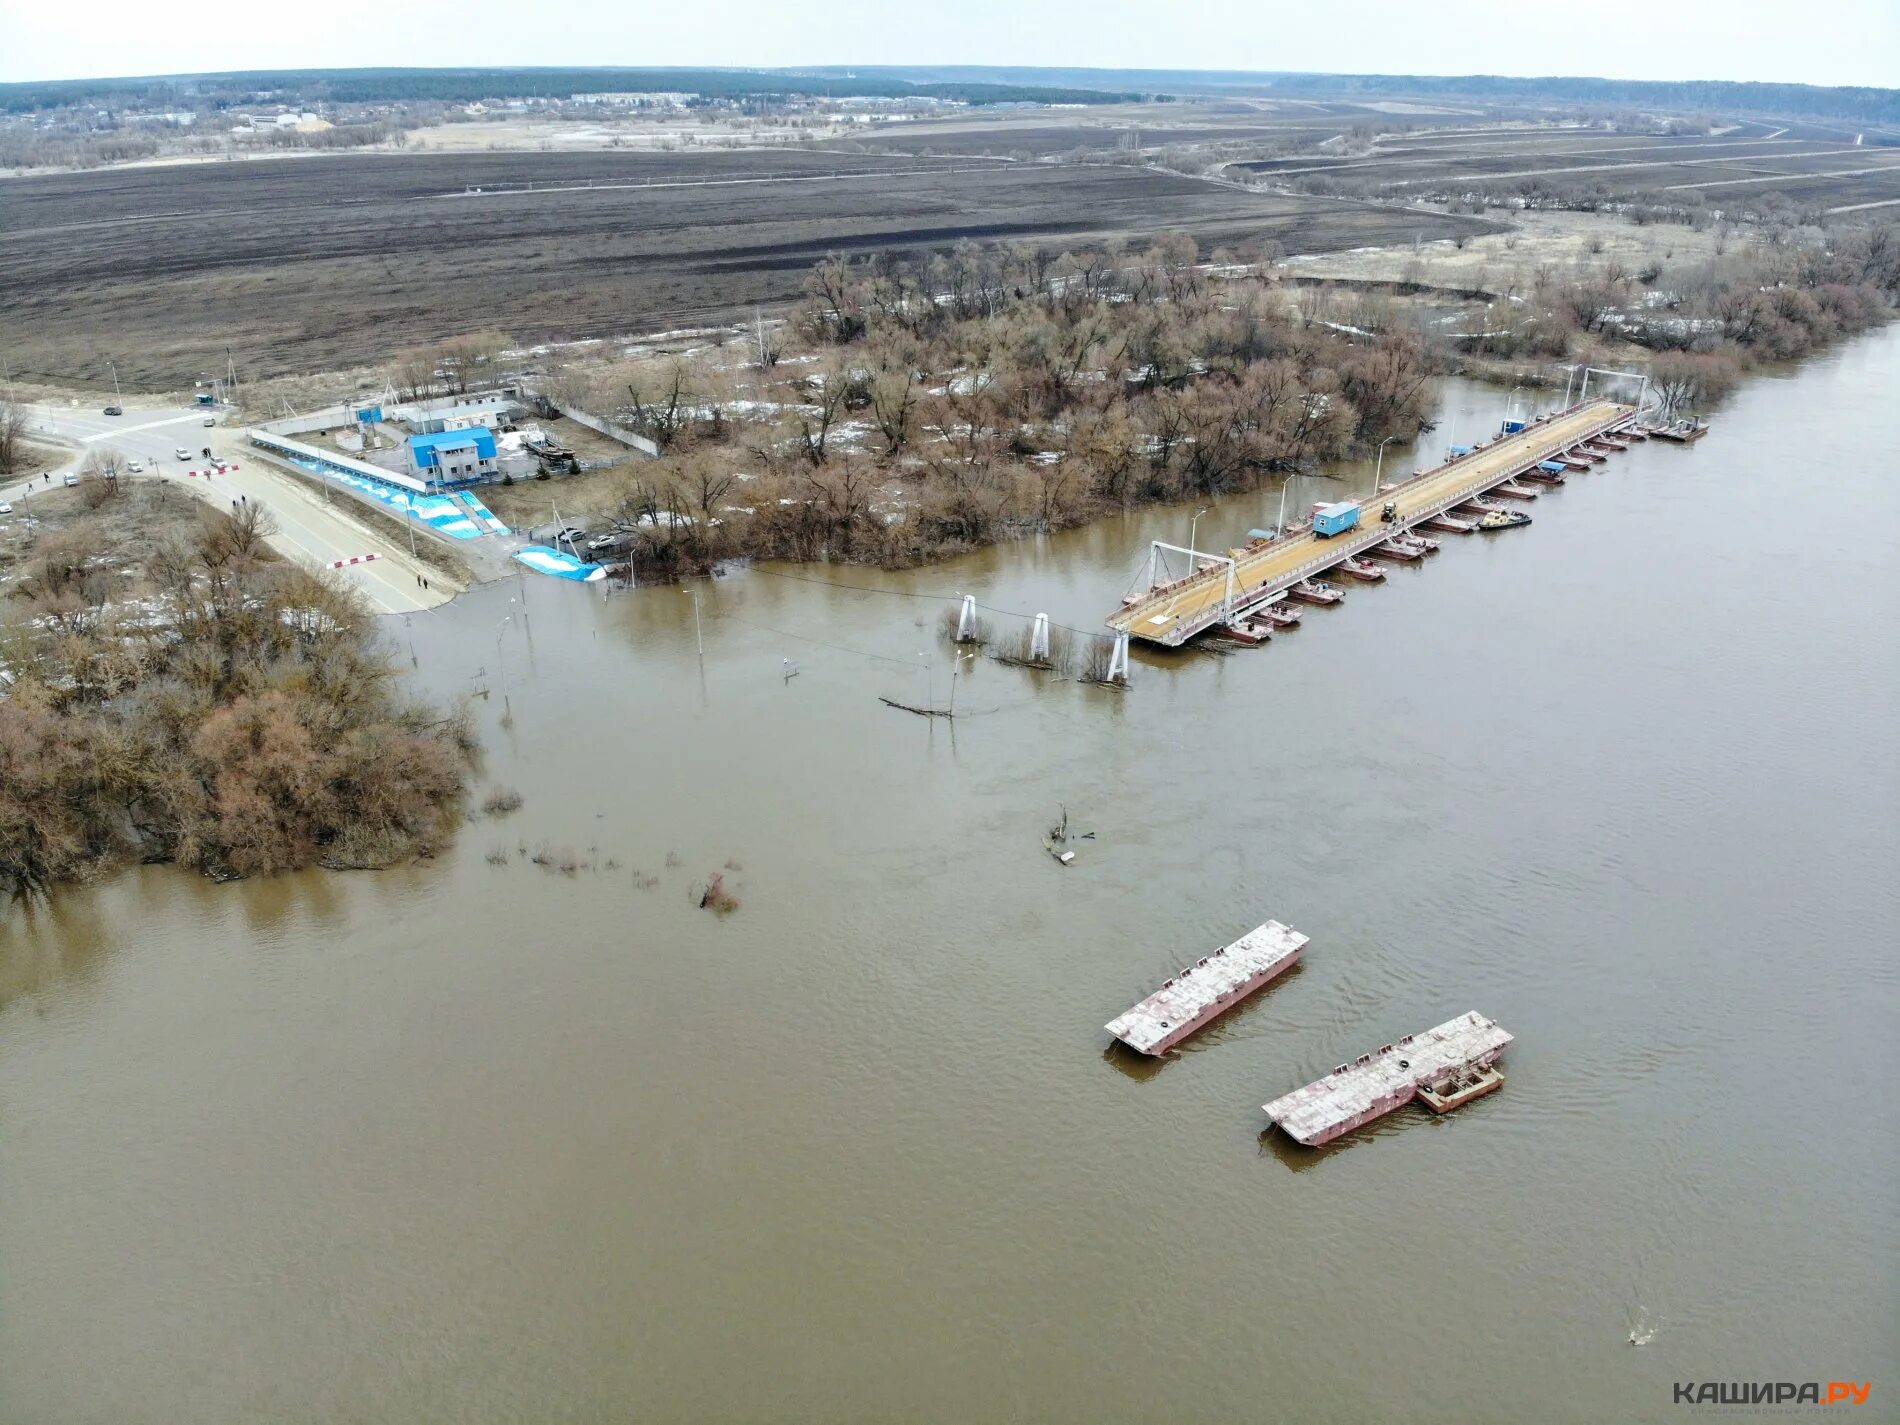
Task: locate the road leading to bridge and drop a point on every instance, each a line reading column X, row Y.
column 1175, row 613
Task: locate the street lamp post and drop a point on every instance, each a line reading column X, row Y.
column 410, row 521
column 1193, row 525
column 699, row 638
column 1378, row 467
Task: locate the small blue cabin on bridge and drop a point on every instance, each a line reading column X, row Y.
column 449, row 456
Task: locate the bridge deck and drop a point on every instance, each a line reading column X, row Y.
column 1174, row 614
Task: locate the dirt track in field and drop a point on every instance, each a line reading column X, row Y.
column 313, row 264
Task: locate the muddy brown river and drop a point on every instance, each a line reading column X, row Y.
column 491, row 1140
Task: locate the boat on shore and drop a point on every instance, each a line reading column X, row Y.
column 1503, row 519
column 1315, row 591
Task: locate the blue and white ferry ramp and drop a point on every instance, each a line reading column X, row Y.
column 558, row 563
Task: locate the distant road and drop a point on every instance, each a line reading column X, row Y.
column 310, row 530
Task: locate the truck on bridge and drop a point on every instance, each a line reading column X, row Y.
column 1330, row 520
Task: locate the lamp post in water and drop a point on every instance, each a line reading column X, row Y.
column 501, row 654
column 1379, row 467
column 1193, row 525
column 699, row 638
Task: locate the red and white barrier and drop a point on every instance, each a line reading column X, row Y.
column 353, row 559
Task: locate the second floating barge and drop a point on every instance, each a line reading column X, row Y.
column 1446, row 1067
column 1208, row 988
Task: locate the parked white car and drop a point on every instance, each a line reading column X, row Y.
column 135, row 467
column 71, row 479
column 182, row 453
column 5, row 508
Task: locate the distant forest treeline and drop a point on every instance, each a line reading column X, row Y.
column 1865, row 105
column 368, row 86
column 969, row 84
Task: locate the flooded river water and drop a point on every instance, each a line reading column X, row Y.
column 490, row 1142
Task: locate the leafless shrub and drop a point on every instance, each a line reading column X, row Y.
column 500, row 801
column 717, row 897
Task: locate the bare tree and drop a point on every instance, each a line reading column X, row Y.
column 14, row 424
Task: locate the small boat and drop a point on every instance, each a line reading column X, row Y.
column 1570, row 462
column 1584, row 453
column 1503, row 519
column 1632, row 433
column 1513, row 491
column 1396, row 552
column 1423, row 543
column 1315, row 591
column 1447, row 524
column 1612, row 442
column 1478, row 505
column 1282, row 615
column 1247, row 629
column 1360, row 569
column 1543, row 476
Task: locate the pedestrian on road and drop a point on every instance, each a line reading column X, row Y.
column 425, row 583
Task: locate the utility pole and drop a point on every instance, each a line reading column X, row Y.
column 1379, row 466
column 1194, row 524
column 699, row 638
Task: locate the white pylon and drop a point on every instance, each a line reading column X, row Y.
column 1039, row 640
column 1118, row 660
column 966, row 620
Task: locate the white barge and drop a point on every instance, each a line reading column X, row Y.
column 1208, row 988
column 1446, row 1067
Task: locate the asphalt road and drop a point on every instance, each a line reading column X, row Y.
column 310, row 530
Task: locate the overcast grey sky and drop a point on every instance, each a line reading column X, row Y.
column 1837, row 42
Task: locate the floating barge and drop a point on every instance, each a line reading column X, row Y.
column 1682, row 432
column 1362, row 570
column 1446, row 1067
column 1315, row 591
column 1250, row 629
column 1208, row 988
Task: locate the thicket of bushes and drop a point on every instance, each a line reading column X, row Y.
column 987, row 392
column 1711, row 322
column 242, row 717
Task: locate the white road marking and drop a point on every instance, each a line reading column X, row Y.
column 127, row 430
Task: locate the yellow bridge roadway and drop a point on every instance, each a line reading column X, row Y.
column 1175, row 612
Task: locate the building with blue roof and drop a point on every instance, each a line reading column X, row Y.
column 451, row 456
